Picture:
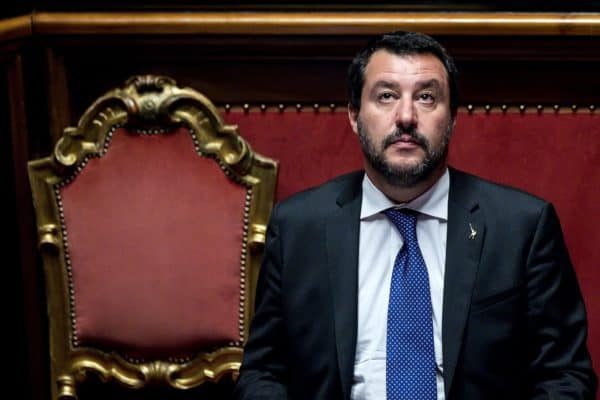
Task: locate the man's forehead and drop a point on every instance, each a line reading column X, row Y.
column 433, row 84
column 383, row 62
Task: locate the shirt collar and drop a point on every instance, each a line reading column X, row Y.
column 433, row 202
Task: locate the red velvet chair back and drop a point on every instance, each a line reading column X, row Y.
column 152, row 215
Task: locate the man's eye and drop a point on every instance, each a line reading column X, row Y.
column 386, row 96
column 426, row 97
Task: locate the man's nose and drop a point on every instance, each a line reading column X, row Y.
column 406, row 114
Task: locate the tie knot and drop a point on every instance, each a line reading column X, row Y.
column 405, row 221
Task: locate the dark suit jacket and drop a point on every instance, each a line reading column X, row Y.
column 514, row 323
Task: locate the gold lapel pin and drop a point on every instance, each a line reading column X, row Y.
column 473, row 232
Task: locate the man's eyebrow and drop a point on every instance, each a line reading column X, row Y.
column 429, row 84
column 385, row 84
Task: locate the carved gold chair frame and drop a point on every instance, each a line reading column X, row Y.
column 144, row 102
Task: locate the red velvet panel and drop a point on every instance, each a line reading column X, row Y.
column 155, row 237
column 556, row 156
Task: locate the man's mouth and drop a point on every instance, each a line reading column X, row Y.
column 404, row 141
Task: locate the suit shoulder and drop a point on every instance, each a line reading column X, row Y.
column 495, row 191
column 321, row 198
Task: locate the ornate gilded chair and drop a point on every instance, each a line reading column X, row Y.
column 151, row 218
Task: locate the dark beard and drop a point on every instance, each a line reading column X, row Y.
column 404, row 177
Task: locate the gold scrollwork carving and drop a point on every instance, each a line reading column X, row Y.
column 158, row 371
column 211, row 367
column 143, row 83
column 70, row 147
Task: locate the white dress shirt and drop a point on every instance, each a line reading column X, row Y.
column 380, row 242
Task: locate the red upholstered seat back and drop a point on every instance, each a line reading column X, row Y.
column 151, row 216
column 553, row 155
column 155, row 235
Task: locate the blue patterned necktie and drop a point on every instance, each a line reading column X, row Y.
column 410, row 365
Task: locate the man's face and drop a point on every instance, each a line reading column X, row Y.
column 404, row 123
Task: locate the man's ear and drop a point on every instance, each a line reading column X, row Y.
column 353, row 118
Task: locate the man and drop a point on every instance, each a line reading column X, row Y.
column 470, row 295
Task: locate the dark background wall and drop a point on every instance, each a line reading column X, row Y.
column 56, row 57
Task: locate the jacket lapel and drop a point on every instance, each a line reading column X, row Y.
column 342, row 233
column 466, row 233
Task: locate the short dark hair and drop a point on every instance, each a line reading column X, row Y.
column 399, row 43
